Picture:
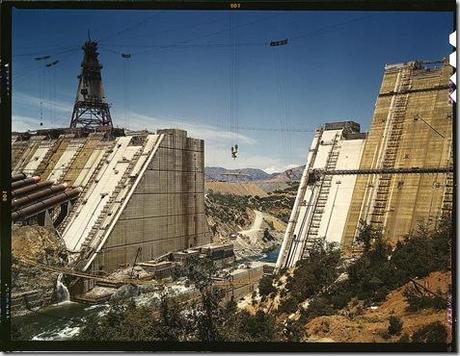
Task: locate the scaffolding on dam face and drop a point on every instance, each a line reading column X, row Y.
column 377, row 171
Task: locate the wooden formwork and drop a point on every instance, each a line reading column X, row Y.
column 47, row 165
column 78, row 164
column 424, row 140
column 27, row 153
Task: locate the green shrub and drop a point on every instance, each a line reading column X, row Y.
column 435, row 332
column 318, row 307
column 258, row 327
column 289, row 305
column 314, row 273
column 379, row 270
column 419, row 301
column 395, row 325
column 266, row 286
column 424, row 251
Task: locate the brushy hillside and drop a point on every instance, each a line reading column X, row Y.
column 244, row 174
column 385, row 295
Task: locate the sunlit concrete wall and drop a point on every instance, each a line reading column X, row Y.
column 413, row 198
column 321, row 206
column 143, row 194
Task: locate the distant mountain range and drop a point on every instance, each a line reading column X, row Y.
column 250, row 174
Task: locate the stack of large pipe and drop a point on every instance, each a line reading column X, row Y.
column 31, row 196
column 16, row 177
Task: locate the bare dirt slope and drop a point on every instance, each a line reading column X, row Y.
column 371, row 324
column 33, row 242
column 255, row 228
column 251, row 240
column 236, row 188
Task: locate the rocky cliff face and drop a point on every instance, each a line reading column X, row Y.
column 32, row 286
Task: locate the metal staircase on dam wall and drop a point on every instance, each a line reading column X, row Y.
column 21, row 159
column 19, row 150
column 312, row 237
column 67, row 168
column 34, row 144
column 447, row 199
column 377, row 215
column 286, row 252
column 50, row 145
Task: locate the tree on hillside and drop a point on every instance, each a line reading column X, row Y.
column 266, row 286
column 435, row 332
column 366, row 235
column 395, row 325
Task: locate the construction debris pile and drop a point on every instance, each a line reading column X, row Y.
column 170, row 271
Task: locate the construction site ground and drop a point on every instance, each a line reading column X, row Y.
column 250, row 239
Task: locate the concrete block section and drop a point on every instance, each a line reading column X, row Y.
column 322, row 204
column 411, row 127
column 165, row 209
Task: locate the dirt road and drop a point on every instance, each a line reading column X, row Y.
column 256, row 227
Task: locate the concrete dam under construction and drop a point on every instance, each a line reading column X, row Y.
column 393, row 178
column 119, row 198
column 137, row 191
column 194, row 180
column 113, row 196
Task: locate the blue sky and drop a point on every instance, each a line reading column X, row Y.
column 213, row 74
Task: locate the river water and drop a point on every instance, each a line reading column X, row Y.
column 272, row 256
column 64, row 320
column 56, row 322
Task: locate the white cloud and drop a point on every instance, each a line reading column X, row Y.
column 280, row 167
column 26, row 99
column 218, row 141
column 24, row 123
column 208, row 133
column 221, row 157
